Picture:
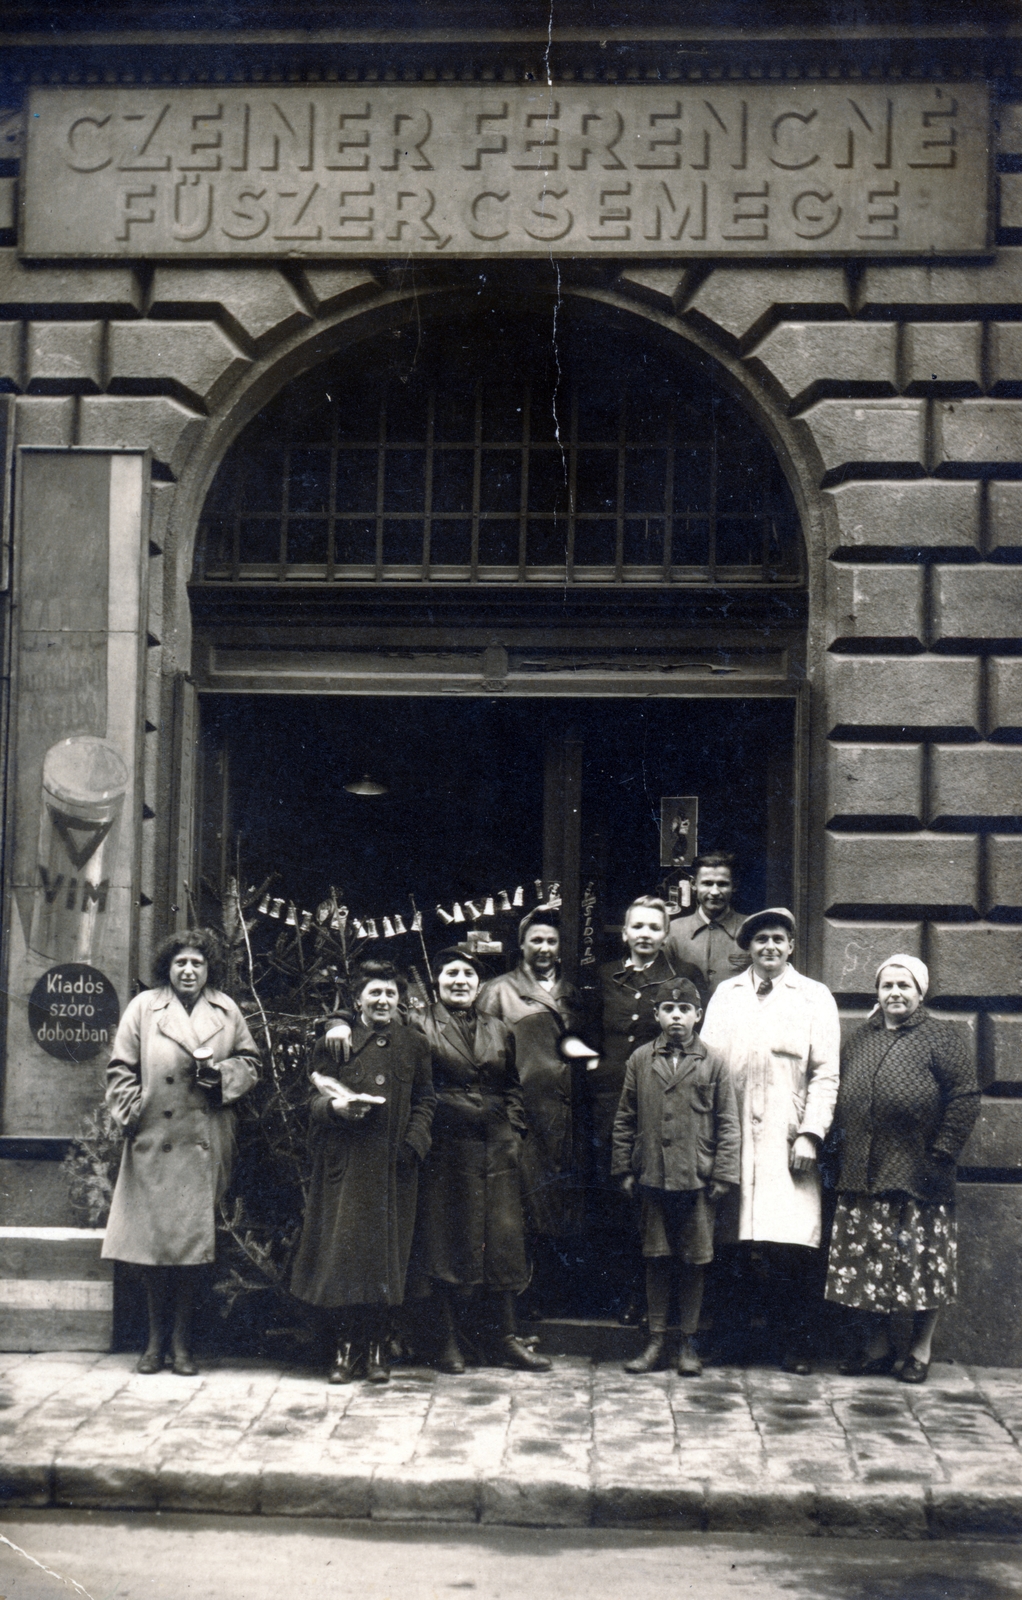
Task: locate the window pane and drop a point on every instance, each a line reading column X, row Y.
column 356, row 480
column 358, row 416
column 739, row 542
column 550, row 413
column 260, row 480
column 547, row 543
column 500, row 480
column 404, row 483
column 450, row 543
column 644, row 542
column 649, row 416
column 307, row 541
column 355, row 543
column 406, row 412
column 498, row 543
column 548, row 481
column 598, row 415
column 402, row 542
column 452, row 480
column 309, row 485
column 454, row 413
column 690, row 543
column 218, row 535
column 595, row 542
column 692, row 480
column 645, row 479
column 259, row 541
column 596, row 480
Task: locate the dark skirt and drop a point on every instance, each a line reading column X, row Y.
column 678, row 1224
column 890, row 1252
column 469, row 1229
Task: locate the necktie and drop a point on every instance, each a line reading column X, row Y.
column 764, row 988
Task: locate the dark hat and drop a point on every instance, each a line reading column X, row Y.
column 676, row 989
column 455, row 953
column 545, row 916
column 764, row 919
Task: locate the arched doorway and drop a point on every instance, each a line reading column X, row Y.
column 535, row 570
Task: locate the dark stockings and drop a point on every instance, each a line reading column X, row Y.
column 360, row 1326
column 659, row 1272
column 170, row 1293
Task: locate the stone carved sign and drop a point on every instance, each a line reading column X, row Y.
column 514, row 170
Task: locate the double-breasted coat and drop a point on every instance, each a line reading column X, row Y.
column 539, row 1018
column 179, row 1141
column 360, row 1216
column 627, row 1019
column 469, row 1229
column 783, row 1051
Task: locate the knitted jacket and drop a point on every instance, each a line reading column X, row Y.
column 907, row 1102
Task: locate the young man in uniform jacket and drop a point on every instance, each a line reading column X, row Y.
column 707, row 937
column 676, row 1139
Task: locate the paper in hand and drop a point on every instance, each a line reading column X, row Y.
column 340, row 1094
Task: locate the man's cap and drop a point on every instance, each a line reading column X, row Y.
column 764, row 919
column 676, row 989
column 454, row 952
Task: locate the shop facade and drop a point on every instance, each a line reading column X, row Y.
column 517, row 397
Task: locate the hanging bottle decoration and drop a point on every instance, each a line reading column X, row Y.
column 371, row 932
column 505, row 904
column 445, row 917
column 264, row 906
column 292, row 915
column 276, row 908
column 458, row 914
column 417, row 920
column 473, row 910
column 399, row 926
column 519, row 899
column 388, row 928
column 488, row 910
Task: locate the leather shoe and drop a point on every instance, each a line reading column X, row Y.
column 150, row 1361
column 514, row 1353
column 652, row 1358
column 377, row 1367
column 800, row 1365
column 868, row 1366
column 450, row 1358
column 914, row 1370
column 689, row 1364
column 183, row 1365
column 343, row 1369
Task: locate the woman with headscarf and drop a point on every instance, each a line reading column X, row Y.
column 906, row 1104
column 469, row 1232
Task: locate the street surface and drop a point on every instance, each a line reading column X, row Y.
column 142, row 1556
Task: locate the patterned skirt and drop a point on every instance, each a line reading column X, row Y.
column 889, row 1252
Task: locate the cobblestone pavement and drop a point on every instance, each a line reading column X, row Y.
column 748, row 1449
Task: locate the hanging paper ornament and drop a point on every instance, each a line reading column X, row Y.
column 399, row 926
column 488, row 910
column 505, row 904
column 417, row 921
column 292, row 915
column 306, row 922
column 371, row 932
column 264, row 906
column 538, row 882
column 519, row 899
column 459, row 915
column 388, row 928
column 473, row 910
column 445, row 917
column 276, row 908
column 360, row 932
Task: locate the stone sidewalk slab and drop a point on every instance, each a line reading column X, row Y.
column 739, row 1449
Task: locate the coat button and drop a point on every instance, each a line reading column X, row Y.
column 203, row 1144
column 168, row 1147
column 380, row 1078
column 382, row 1041
column 631, row 1038
column 635, row 1016
column 170, row 1077
column 638, row 994
column 168, row 1113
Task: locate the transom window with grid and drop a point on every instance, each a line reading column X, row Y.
column 501, row 453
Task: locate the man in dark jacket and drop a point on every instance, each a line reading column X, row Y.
column 708, row 936
column 676, row 1138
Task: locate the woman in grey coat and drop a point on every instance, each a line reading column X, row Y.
column 182, row 1056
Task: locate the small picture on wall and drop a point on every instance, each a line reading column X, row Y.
column 679, row 824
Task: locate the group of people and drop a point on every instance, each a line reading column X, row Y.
column 444, row 1140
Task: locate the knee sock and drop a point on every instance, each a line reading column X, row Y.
column 690, row 1299
column 658, row 1293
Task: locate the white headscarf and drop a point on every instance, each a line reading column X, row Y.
column 913, row 965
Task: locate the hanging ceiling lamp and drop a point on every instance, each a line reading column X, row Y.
column 365, row 785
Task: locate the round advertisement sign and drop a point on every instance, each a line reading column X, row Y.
column 73, row 1012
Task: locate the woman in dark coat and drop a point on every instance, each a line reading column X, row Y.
column 182, row 1056
column 470, row 1233
column 369, row 1128
column 544, row 1012
column 907, row 1102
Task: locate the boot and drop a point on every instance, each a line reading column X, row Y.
column 450, row 1358
column 517, row 1354
column 377, row 1365
column 652, row 1358
column 343, row 1369
column 689, row 1364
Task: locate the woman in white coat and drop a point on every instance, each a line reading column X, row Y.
column 183, row 1054
column 780, row 1036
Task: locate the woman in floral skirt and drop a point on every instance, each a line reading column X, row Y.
column 907, row 1101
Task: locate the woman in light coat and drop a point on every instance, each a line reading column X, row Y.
column 781, row 1038
column 183, row 1054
